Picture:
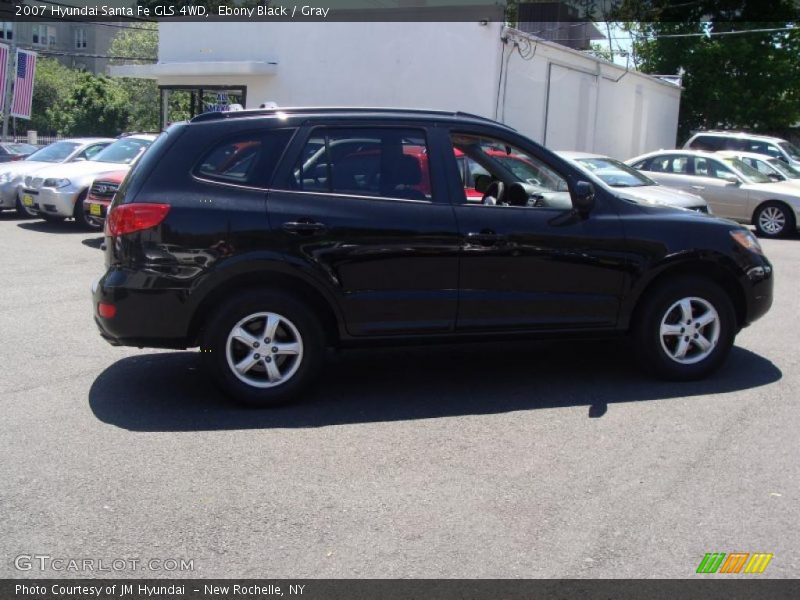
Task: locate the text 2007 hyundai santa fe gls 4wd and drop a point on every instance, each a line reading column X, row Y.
column 266, row 236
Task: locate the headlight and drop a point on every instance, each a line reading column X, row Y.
column 746, row 239
column 5, row 177
column 55, row 183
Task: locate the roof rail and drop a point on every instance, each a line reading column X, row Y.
column 254, row 112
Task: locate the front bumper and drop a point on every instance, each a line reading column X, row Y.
column 758, row 287
column 96, row 210
column 51, row 201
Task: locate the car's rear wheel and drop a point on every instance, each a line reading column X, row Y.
column 685, row 328
column 79, row 214
column 263, row 348
column 774, row 219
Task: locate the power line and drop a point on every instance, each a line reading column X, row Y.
column 700, row 34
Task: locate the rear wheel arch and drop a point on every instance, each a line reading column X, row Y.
column 266, row 280
column 698, row 268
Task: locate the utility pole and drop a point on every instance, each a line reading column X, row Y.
column 11, row 72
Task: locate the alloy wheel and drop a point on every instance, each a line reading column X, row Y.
column 264, row 349
column 690, row 330
column 772, row 220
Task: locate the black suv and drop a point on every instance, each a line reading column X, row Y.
column 264, row 237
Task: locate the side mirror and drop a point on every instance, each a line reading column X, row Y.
column 583, row 197
column 775, row 177
column 731, row 179
column 482, row 183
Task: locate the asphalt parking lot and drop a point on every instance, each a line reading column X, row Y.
column 523, row 460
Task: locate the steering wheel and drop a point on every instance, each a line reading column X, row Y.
column 494, row 193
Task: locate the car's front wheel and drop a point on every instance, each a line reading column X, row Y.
column 685, row 328
column 80, row 216
column 263, row 348
column 774, row 220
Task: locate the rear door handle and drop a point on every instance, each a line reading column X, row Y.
column 699, row 188
column 303, row 227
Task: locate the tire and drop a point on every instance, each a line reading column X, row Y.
column 23, row 212
column 298, row 330
column 774, row 220
column 80, row 216
column 663, row 317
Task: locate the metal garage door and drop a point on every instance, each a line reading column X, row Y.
column 571, row 108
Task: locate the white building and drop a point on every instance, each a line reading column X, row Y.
column 559, row 97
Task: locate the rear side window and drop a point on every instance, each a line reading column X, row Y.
column 371, row 162
column 708, row 143
column 247, row 159
column 669, row 164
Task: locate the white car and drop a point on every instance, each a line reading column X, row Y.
column 629, row 183
column 732, row 189
column 63, row 151
column 774, row 168
column 58, row 192
column 741, row 141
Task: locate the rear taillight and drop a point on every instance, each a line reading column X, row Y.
column 105, row 310
column 130, row 218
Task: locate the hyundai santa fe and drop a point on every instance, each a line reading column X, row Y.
column 264, row 237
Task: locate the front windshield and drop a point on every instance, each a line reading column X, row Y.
column 783, row 168
column 54, row 153
column 124, row 151
column 790, row 149
column 749, row 173
column 615, row 173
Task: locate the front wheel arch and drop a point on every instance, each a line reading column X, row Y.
column 717, row 273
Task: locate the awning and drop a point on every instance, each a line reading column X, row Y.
column 195, row 69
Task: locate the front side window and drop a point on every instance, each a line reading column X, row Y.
column 669, row 164
column 369, row 162
column 492, row 160
column 91, row 151
column 790, row 149
column 741, row 169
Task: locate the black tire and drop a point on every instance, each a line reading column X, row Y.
column 774, row 208
column 80, row 215
column 658, row 304
column 23, row 212
column 214, row 347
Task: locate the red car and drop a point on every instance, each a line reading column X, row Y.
column 100, row 196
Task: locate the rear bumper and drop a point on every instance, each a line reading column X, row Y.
column 145, row 316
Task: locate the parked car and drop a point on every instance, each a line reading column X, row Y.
column 632, row 184
column 774, row 168
column 732, row 189
column 13, row 151
column 100, row 195
column 713, row 141
column 63, row 151
column 263, row 263
column 58, row 192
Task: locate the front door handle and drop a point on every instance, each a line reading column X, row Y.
column 699, row 188
column 485, row 237
column 303, row 227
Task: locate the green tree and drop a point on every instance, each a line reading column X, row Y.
column 53, row 87
column 99, row 106
column 139, row 40
column 743, row 81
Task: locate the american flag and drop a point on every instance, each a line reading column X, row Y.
column 23, row 85
column 3, row 66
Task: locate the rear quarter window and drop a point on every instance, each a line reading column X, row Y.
column 246, row 159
